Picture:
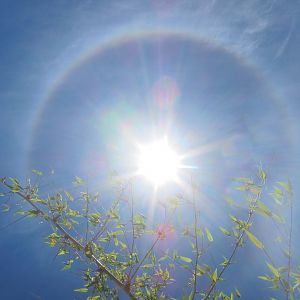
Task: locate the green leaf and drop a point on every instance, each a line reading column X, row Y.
column 278, row 239
column 147, row 291
column 237, row 292
column 147, row 266
column 285, row 185
column 123, row 245
column 199, row 232
column 201, row 270
column 263, row 209
column 118, row 232
column 185, row 259
column 229, row 201
column 273, row 270
column 5, row 208
column 209, row 235
column 254, row 240
column 191, row 295
column 78, row 181
column 82, row 290
column 225, row 231
column 278, row 218
column 62, row 252
column 37, row 172
column 174, row 202
column 287, row 253
column 262, row 174
column 68, row 265
column 215, row 275
column 264, row 278
column 71, row 198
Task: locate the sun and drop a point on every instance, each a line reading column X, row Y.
column 158, row 162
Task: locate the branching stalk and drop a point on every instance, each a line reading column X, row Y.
column 237, row 244
column 196, row 242
column 290, row 247
column 75, row 243
column 144, row 258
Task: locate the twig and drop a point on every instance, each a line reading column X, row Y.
column 144, row 258
column 197, row 246
column 290, row 246
column 75, row 242
column 87, row 216
column 14, row 222
column 133, row 229
column 237, row 244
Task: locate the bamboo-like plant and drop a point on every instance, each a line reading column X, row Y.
column 122, row 251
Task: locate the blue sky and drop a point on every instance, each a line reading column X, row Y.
column 82, row 81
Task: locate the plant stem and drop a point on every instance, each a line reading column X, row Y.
column 197, row 246
column 102, row 229
column 237, row 244
column 290, row 246
column 144, row 258
column 272, row 262
column 133, row 228
column 14, row 222
column 87, row 216
column 76, row 243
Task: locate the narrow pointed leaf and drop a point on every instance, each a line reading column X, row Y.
column 185, row 259
column 209, row 235
column 273, row 270
column 254, row 240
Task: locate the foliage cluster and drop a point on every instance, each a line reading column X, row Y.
column 121, row 249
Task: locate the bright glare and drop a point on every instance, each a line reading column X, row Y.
column 158, row 162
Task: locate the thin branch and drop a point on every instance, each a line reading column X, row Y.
column 133, row 228
column 103, row 227
column 237, row 244
column 75, row 242
column 197, row 246
column 132, row 218
column 87, row 216
column 144, row 258
column 14, row 222
column 290, row 246
column 273, row 263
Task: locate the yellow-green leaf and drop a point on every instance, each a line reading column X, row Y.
column 237, row 292
column 71, row 198
column 254, row 240
column 93, row 297
column 37, row 172
column 264, row 278
column 209, row 235
column 263, row 209
column 5, row 207
column 82, row 290
column 78, row 181
column 273, row 270
column 225, row 231
column 185, row 259
column 215, row 275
